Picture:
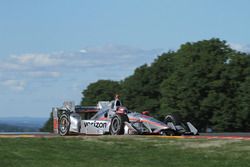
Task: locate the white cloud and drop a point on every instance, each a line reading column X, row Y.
column 16, row 85
column 118, row 50
column 95, row 57
column 83, row 51
column 240, row 47
column 41, row 74
column 6, row 66
column 107, row 61
column 37, row 60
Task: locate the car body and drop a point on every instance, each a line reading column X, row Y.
column 113, row 118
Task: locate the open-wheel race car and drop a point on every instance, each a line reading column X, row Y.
column 110, row 117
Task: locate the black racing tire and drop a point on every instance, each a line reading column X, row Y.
column 174, row 118
column 64, row 125
column 117, row 124
column 168, row 132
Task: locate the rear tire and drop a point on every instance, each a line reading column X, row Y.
column 117, row 124
column 174, row 118
column 64, row 125
column 168, row 133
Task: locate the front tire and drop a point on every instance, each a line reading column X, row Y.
column 117, row 124
column 64, row 125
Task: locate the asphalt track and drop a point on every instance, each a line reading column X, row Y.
column 232, row 136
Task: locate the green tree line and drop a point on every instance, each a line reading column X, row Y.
column 205, row 82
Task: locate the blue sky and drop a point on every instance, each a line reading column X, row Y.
column 51, row 50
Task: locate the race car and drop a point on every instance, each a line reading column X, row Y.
column 115, row 119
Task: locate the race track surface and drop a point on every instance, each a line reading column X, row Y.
column 236, row 136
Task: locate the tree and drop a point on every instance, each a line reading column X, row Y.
column 137, row 91
column 48, row 126
column 205, row 82
column 100, row 91
column 243, row 112
column 204, row 87
column 141, row 90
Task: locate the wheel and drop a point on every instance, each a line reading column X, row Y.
column 168, row 133
column 180, row 127
column 64, row 125
column 117, row 124
column 174, row 118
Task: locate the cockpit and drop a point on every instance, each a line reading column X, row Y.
column 115, row 104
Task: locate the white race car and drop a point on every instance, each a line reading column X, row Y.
column 115, row 119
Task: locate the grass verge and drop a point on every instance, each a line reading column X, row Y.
column 119, row 151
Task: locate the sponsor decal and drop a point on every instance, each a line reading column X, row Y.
column 95, row 124
column 55, row 123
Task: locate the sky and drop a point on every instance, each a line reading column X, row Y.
column 50, row 51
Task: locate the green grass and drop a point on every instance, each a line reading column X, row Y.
column 122, row 151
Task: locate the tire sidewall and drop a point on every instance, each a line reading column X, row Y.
column 120, row 119
column 168, row 133
column 175, row 119
column 66, row 118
